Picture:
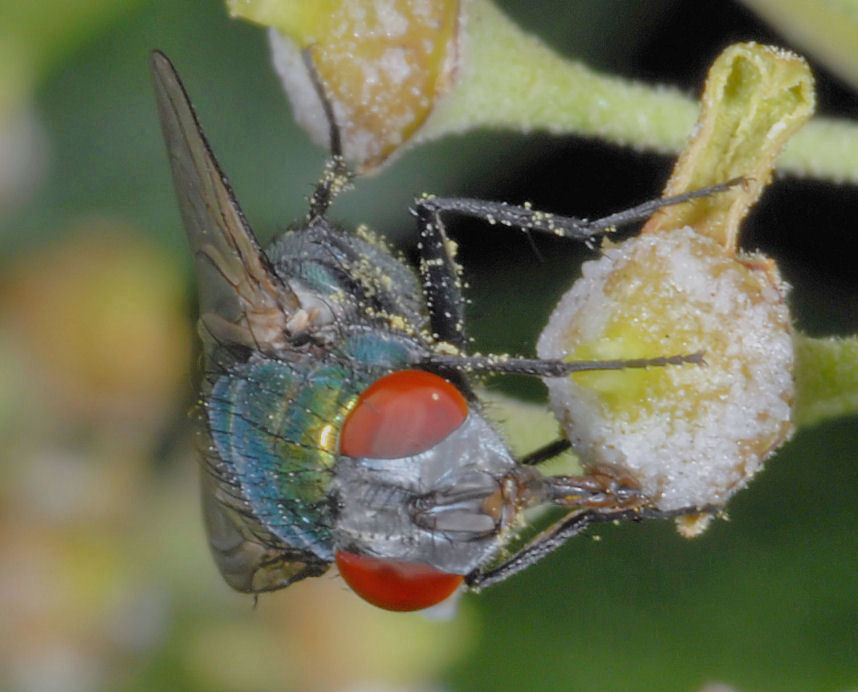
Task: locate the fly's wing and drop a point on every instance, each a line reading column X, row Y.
column 243, row 305
column 242, row 301
column 245, row 555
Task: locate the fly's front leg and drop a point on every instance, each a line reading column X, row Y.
column 601, row 496
column 602, row 488
column 479, row 505
column 561, row 531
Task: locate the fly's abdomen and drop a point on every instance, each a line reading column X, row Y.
column 275, row 427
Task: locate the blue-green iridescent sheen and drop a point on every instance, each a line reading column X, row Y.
column 276, row 424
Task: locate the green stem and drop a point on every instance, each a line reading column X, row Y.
column 826, row 378
column 511, row 80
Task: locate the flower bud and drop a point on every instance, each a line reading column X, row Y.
column 382, row 65
column 691, row 435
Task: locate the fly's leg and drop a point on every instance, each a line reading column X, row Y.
column 441, row 279
column 570, row 227
column 443, row 290
column 602, row 488
column 566, row 528
column 546, row 452
column 337, row 176
column 541, row 367
column 479, row 505
column 440, row 276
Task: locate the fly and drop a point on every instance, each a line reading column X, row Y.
column 339, row 420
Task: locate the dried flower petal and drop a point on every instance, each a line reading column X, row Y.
column 756, row 98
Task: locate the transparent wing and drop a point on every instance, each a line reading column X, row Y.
column 248, row 557
column 242, row 301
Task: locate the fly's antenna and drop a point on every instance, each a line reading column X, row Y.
column 337, row 176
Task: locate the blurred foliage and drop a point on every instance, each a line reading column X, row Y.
column 827, row 29
column 104, row 579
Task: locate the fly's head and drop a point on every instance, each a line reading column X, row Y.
column 428, row 494
column 425, row 489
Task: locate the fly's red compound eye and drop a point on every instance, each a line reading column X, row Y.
column 402, row 414
column 394, row 585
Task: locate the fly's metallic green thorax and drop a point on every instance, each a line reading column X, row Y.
column 359, row 278
column 275, row 425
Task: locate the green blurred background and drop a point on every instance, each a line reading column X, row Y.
column 105, row 582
